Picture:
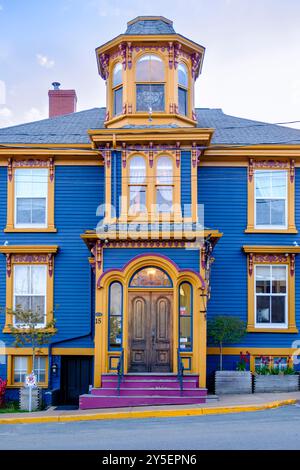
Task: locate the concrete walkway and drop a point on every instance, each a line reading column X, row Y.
column 225, row 404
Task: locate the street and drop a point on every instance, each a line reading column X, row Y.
column 272, row 429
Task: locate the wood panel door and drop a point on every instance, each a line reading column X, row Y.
column 150, row 332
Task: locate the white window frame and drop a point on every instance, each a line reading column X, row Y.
column 16, row 225
column 19, row 371
column 39, row 325
column 269, row 226
column 272, row 325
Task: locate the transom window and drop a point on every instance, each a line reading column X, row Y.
column 117, row 89
column 30, row 287
column 164, row 184
column 115, row 316
column 137, row 185
column 183, row 81
column 270, row 199
column 150, row 277
column 271, row 295
column 150, row 89
column 31, row 193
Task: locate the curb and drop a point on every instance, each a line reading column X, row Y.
column 148, row 413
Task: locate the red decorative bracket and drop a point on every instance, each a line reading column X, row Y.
column 10, row 169
column 51, row 169
column 124, row 154
column 178, row 154
column 250, row 264
column 292, row 171
column 107, row 156
column 292, row 264
column 99, row 254
column 194, row 155
column 8, row 265
column 151, row 154
column 250, row 170
column 50, row 264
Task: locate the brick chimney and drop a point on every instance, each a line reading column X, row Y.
column 61, row 101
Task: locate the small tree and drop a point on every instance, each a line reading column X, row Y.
column 27, row 331
column 225, row 329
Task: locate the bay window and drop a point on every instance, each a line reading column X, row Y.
column 117, row 90
column 182, row 89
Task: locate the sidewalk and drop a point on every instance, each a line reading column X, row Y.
column 225, row 404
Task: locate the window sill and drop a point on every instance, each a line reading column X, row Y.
column 21, row 385
column 291, row 329
column 30, row 230
column 8, row 329
column 270, row 230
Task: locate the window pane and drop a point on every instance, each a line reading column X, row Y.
column 31, row 182
column 40, row 369
column 137, row 202
column 263, row 309
column 280, row 363
column 278, row 309
column 137, row 170
column 263, row 184
column 38, row 211
column 164, row 198
column 185, row 332
column 150, row 68
column 164, row 170
column 263, row 277
column 277, row 212
column 20, row 368
column 279, row 184
column 21, row 279
column 118, row 101
column 38, row 306
column 278, row 279
column 23, row 211
column 182, row 101
column 115, row 315
column 150, row 277
column 182, row 75
column 115, row 299
column 263, row 212
column 150, row 97
column 22, row 302
column 117, row 74
column 185, row 299
column 38, row 279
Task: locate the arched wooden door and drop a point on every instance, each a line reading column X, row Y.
column 150, row 331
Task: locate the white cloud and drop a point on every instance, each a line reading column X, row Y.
column 6, row 115
column 34, row 114
column 44, row 61
column 2, row 92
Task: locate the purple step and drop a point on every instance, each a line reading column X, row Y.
column 191, row 384
column 137, row 377
column 87, row 402
column 139, row 392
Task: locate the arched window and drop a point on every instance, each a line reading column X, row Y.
column 137, row 185
column 185, row 316
column 164, row 184
column 150, row 277
column 117, row 89
column 183, row 84
column 150, row 89
column 115, row 316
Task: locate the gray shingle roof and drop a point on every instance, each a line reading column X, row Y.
column 150, row 26
column 72, row 129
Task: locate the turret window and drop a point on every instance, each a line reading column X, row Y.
column 117, row 89
column 183, row 89
column 150, row 88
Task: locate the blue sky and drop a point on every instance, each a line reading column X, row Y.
column 251, row 68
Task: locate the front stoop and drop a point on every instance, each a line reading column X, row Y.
column 144, row 390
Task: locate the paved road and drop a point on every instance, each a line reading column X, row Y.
column 273, row 429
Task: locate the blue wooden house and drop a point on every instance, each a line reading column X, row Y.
column 133, row 225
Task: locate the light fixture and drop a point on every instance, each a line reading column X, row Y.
column 54, row 369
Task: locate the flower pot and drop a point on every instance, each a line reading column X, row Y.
column 276, row 383
column 233, row 382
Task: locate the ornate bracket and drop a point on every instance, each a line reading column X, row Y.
column 194, row 155
column 271, row 259
column 178, row 154
column 99, row 254
column 292, row 171
column 30, row 163
column 107, row 155
column 196, row 60
column 8, row 264
column 124, row 155
column 271, row 165
column 104, row 66
column 151, row 154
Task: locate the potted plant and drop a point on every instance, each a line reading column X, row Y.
column 227, row 330
column 276, row 376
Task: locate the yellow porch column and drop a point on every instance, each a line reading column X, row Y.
column 100, row 319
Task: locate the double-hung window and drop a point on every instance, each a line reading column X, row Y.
column 271, row 296
column 271, row 199
column 164, row 185
column 31, row 194
column 137, row 186
column 150, row 86
column 30, row 291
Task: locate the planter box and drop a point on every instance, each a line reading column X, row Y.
column 233, row 382
column 276, row 383
column 24, row 399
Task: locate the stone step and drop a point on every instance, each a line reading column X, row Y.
column 96, row 402
column 140, row 392
column 149, row 383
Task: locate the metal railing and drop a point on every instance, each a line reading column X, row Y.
column 180, row 371
column 120, row 370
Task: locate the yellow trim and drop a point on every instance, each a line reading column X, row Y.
column 10, row 369
column 291, row 313
column 10, row 225
column 15, row 250
column 198, row 354
column 291, row 228
column 72, row 351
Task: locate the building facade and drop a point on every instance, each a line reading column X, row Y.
column 133, row 225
